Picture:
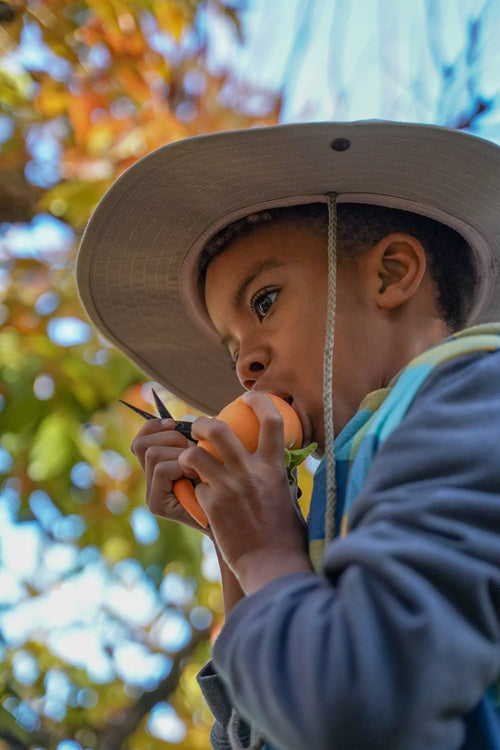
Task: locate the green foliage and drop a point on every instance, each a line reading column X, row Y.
column 105, row 614
column 47, row 432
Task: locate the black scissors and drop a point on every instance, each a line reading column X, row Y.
column 183, row 427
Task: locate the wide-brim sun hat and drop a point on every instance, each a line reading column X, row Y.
column 137, row 267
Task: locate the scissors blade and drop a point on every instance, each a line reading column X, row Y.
column 183, row 427
column 141, row 412
column 162, row 409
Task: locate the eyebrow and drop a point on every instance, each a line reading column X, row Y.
column 253, row 272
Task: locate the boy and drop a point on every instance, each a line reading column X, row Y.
column 395, row 641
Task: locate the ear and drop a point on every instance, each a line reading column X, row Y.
column 400, row 265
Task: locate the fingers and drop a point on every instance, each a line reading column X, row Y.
column 161, row 473
column 196, row 462
column 222, row 439
column 232, row 453
column 271, row 437
column 157, row 447
column 157, row 433
column 234, row 457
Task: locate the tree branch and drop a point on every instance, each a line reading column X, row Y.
column 112, row 736
column 18, row 198
column 7, row 12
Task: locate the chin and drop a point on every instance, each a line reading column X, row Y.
column 319, row 452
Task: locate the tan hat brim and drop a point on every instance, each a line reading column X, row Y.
column 136, row 268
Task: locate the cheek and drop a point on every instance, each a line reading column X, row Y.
column 306, row 332
column 306, row 351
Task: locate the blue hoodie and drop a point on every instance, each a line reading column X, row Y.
column 396, row 644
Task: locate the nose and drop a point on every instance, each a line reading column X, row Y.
column 250, row 367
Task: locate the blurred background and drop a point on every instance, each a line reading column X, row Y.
column 107, row 613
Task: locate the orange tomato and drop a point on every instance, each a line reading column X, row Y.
column 243, row 421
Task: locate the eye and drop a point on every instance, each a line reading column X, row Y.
column 262, row 302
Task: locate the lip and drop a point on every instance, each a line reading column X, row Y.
column 303, row 423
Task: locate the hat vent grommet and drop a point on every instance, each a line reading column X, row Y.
column 340, row 144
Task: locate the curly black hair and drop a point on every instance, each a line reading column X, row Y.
column 359, row 227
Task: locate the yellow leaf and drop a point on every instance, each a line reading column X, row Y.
column 14, row 87
column 171, row 18
column 79, row 196
column 115, row 549
column 52, row 99
column 51, row 448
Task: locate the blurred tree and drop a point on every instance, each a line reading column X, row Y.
column 429, row 61
column 105, row 612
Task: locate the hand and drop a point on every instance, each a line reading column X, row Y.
column 247, row 498
column 157, row 447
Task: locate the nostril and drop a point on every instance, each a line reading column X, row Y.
column 256, row 367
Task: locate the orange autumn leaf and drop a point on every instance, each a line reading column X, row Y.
column 80, row 109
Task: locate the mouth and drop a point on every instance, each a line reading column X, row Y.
column 285, row 397
column 291, row 402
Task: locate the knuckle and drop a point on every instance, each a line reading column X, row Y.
column 162, row 477
column 272, row 419
column 201, row 427
column 203, row 495
column 191, row 455
column 152, row 454
column 217, row 428
column 163, row 470
column 155, row 506
column 175, row 439
column 136, row 446
column 148, row 428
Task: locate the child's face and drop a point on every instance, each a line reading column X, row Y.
column 266, row 295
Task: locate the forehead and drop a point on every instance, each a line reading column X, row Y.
column 278, row 242
column 279, row 253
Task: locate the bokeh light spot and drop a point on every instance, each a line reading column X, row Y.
column 82, row 475
column 117, row 501
column 43, row 387
column 47, row 303
column 6, row 461
column 165, row 724
column 25, row 667
column 201, row 618
column 175, row 589
column 68, row 331
column 144, row 525
column 115, row 465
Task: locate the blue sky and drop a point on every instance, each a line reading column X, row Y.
column 368, row 58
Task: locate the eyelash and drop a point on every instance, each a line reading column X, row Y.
column 261, row 295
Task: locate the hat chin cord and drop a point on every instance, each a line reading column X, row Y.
column 256, row 742
column 331, row 483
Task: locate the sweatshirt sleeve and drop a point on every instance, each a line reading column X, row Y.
column 399, row 638
column 225, row 715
